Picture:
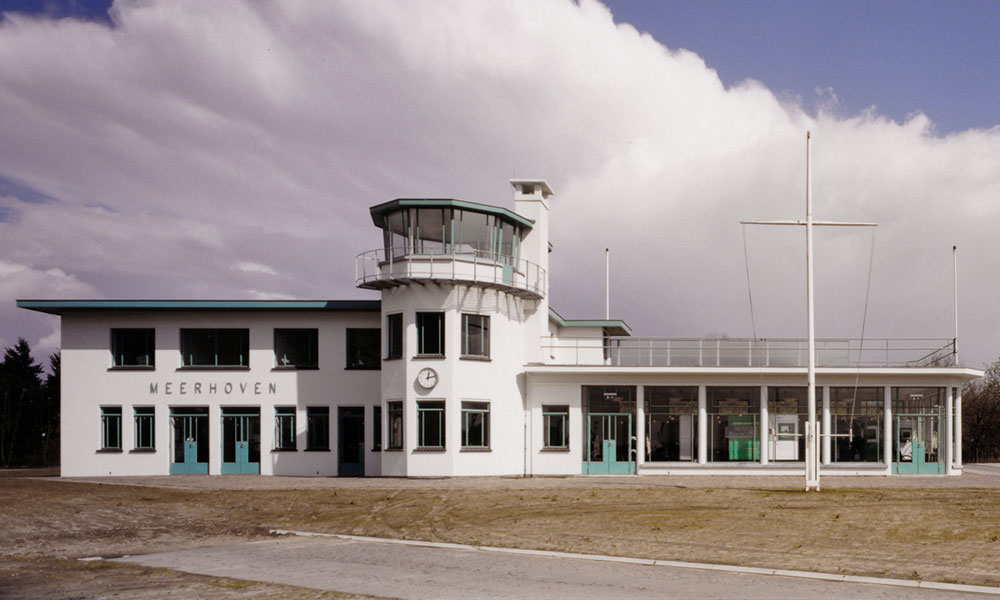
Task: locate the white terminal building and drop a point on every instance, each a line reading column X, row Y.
column 463, row 368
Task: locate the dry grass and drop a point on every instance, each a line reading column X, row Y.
column 937, row 534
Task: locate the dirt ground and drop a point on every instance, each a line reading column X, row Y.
column 943, row 529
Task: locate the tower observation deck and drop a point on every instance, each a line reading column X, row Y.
column 428, row 240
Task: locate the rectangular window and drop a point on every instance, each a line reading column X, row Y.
column 111, row 428
column 215, row 347
column 145, row 437
column 476, row 336
column 475, row 424
column 395, row 441
column 556, row 417
column 394, row 336
column 296, row 348
column 318, row 427
column 363, row 349
column 376, row 428
column 430, row 334
column 133, row 347
column 284, row 428
column 430, row 424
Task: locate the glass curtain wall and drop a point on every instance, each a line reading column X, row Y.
column 857, row 414
column 671, row 423
column 734, row 423
column 436, row 231
column 787, row 412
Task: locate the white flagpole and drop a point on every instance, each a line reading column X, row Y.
column 812, row 465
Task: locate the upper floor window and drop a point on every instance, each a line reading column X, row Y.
column 215, row 347
column 363, row 349
column 476, row 336
column 430, row 334
column 394, row 335
column 296, row 348
column 133, row 347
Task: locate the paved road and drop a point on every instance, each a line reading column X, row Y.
column 392, row 570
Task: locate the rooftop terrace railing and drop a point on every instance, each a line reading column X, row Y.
column 377, row 269
column 747, row 352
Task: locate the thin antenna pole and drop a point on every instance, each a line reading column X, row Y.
column 607, row 283
column 812, row 465
column 954, row 268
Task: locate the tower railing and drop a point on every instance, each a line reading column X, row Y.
column 378, row 269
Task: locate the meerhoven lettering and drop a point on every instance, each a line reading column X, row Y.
column 197, row 388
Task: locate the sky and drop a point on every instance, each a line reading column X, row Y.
column 188, row 149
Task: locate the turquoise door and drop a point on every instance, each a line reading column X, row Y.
column 917, row 445
column 240, row 441
column 610, row 447
column 190, row 442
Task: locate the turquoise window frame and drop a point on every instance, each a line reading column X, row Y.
column 317, row 428
column 284, row 428
column 290, row 341
column 111, row 428
column 394, row 425
column 145, row 428
column 123, row 338
column 426, row 323
column 187, row 356
column 430, row 412
column 468, row 349
column 470, row 411
column 557, row 413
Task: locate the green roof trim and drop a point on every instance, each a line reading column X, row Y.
column 614, row 326
column 379, row 211
column 58, row 307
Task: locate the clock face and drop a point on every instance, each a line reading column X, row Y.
column 427, row 378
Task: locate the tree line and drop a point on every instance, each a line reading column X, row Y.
column 981, row 417
column 29, row 409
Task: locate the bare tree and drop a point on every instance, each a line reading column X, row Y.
column 981, row 417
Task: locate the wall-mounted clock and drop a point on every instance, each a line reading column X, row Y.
column 427, row 378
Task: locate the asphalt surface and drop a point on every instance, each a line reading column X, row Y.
column 413, row 572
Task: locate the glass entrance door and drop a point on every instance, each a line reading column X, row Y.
column 610, row 446
column 917, row 444
column 240, row 441
column 190, row 441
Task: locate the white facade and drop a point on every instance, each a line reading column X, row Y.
column 474, row 374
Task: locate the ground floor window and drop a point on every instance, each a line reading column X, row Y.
column 734, row 423
column 430, row 424
column 671, row 423
column 788, row 411
column 376, row 428
column 395, row 425
column 111, row 428
column 145, row 434
column 284, row 428
column 475, row 424
column 317, row 428
column 856, row 417
column 556, row 425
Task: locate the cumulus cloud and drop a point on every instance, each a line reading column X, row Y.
column 203, row 150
